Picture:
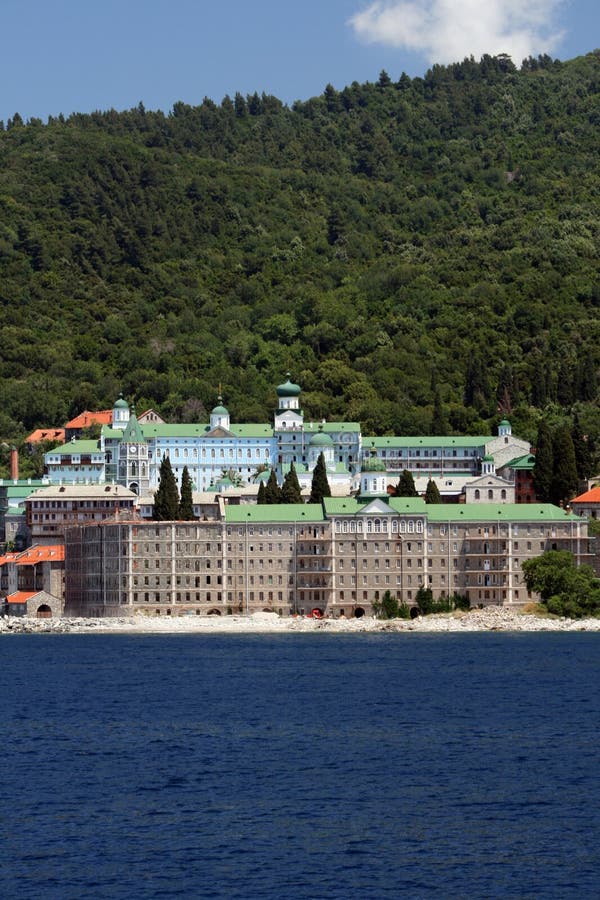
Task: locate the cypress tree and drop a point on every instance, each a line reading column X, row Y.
column 320, row 486
column 406, row 485
column 583, row 457
column 544, row 464
column 261, row 493
column 439, row 422
column 432, row 494
column 290, row 492
column 272, row 490
column 186, row 501
column 564, row 477
column 166, row 498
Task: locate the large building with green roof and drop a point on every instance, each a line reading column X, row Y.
column 339, row 558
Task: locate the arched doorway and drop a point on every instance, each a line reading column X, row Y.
column 214, row 612
column 359, row 612
column 43, row 612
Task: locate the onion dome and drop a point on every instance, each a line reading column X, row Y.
column 120, row 403
column 288, row 389
column 220, row 409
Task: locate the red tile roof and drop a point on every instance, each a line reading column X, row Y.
column 39, row 553
column 592, row 496
column 21, row 596
column 46, row 434
column 8, row 557
column 87, row 418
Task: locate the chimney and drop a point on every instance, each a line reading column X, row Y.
column 14, row 464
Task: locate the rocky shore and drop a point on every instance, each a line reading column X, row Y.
column 493, row 618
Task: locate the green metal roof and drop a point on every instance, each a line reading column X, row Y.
column 164, row 430
column 526, row 462
column 77, row 447
column 332, row 426
column 279, row 512
column 349, row 506
column 120, row 403
column 497, row 512
column 133, row 431
column 452, row 441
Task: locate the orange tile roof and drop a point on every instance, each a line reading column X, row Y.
column 46, row 434
column 39, row 553
column 87, row 418
column 592, row 496
column 21, row 596
column 8, row 557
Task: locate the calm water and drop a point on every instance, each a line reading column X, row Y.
column 307, row 766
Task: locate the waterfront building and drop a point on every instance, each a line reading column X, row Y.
column 339, row 557
column 50, row 510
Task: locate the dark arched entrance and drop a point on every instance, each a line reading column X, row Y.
column 43, row 612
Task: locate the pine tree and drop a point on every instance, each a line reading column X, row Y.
column 564, row 477
column 186, row 500
column 432, row 494
column 320, row 486
column 406, row 485
column 261, row 493
column 290, row 492
column 272, row 490
column 544, row 464
column 166, row 498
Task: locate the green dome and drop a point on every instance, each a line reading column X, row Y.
column 220, row 409
column 320, row 439
column 505, row 422
column 120, row 403
column 289, row 389
column 488, row 458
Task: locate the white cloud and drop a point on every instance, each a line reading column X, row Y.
column 448, row 30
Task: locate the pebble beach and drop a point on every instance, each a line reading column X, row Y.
column 492, row 618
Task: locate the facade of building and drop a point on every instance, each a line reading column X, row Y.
column 340, row 557
column 32, row 582
column 130, row 451
column 50, row 510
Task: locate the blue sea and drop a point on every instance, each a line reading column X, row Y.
column 300, row 766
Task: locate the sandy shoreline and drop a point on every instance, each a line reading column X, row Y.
column 490, row 619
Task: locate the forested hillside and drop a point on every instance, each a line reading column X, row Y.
column 418, row 253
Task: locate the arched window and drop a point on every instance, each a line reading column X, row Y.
column 477, row 494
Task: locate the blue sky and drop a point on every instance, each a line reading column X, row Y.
column 80, row 55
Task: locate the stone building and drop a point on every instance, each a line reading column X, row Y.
column 339, row 557
column 50, row 510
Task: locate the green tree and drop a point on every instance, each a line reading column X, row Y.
column 186, row 501
column 424, row 600
column 583, row 457
column 439, row 420
column 166, row 498
column 320, row 485
column 564, row 476
column 272, row 490
column 544, row 464
column 290, row 491
column 260, row 498
column 389, row 608
column 406, row 485
column 565, row 588
column 432, row 494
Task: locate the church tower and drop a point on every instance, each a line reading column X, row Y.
column 134, row 470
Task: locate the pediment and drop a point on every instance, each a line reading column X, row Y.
column 219, row 432
column 377, row 508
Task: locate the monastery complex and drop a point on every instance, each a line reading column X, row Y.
column 86, row 543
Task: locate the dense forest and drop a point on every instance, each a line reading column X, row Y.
column 421, row 254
